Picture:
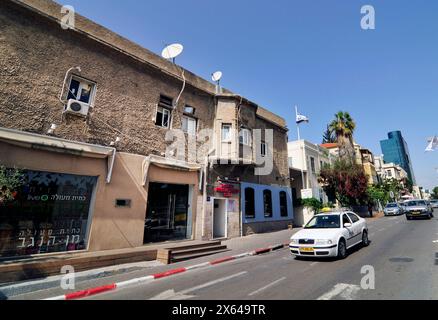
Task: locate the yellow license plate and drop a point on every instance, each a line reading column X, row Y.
column 306, row 249
column 415, row 212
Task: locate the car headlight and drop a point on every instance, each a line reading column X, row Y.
column 294, row 241
column 323, row 242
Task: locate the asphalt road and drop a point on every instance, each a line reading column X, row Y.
column 403, row 254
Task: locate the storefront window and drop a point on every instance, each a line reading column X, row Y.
column 167, row 213
column 49, row 212
column 283, row 204
column 249, row 203
column 267, row 203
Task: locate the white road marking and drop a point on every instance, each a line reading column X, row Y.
column 383, row 229
column 345, row 291
column 436, row 241
column 314, row 263
column 267, row 286
column 172, row 295
column 372, row 234
column 211, row 283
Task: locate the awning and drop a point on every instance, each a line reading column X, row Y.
column 168, row 163
column 53, row 144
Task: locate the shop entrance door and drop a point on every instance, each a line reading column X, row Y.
column 167, row 212
column 219, row 218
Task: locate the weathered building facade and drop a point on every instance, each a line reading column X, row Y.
column 118, row 147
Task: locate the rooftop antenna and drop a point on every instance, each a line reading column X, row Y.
column 172, row 51
column 216, row 77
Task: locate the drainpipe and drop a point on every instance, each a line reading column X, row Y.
column 111, row 161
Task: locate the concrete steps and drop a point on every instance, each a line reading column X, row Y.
column 186, row 252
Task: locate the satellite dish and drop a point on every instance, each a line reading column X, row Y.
column 216, row 77
column 172, row 51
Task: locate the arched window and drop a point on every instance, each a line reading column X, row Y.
column 267, row 203
column 249, row 203
column 283, row 204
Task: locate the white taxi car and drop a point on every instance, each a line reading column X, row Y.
column 330, row 234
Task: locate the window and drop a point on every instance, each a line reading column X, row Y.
column 81, row 90
column 162, row 118
column 312, row 164
column 49, row 213
column 263, row 149
column 389, row 173
column 323, row 222
column 226, row 132
column 166, row 101
column 245, row 137
column 283, row 204
column 353, row 217
column 188, row 125
column 267, row 203
column 345, row 219
column 189, row 110
column 249, row 203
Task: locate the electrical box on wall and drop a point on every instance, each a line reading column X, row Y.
column 123, row 203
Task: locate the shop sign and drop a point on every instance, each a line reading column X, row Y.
column 227, row 190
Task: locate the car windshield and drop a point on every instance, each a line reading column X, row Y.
column 324, row 222
column 416, row 203
column 391, row 205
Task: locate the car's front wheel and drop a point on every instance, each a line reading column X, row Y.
column 409, row 218
column 365, row 240
column 342, row 249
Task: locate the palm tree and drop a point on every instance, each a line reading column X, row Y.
column 343, row 127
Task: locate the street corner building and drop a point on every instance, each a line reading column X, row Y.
column 89, row 120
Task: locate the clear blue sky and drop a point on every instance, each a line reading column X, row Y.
column 311, row 53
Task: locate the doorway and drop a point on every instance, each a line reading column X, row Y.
column 167, row 213
column 219, row 218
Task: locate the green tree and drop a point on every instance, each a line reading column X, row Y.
column 343, row 127
column 312, row 203
column 346, row 181
column 10, row 180
column 328, row 136
column 435, row 193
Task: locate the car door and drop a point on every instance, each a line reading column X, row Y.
column 348, row 232
column 357, row 227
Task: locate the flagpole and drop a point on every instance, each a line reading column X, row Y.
column 304, row 185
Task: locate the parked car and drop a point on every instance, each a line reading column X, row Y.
column 434, row 204
column 330, row 234
column 418, row 209
column 392, row 209
column 402, row 207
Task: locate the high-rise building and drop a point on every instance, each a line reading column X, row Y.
column 395, row 150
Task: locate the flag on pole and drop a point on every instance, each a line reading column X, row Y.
column 300, row 118
column 433, row 144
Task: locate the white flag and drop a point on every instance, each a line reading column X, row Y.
column 301, row 118
column 433, row 144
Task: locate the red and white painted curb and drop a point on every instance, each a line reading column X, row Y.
column 114, row 286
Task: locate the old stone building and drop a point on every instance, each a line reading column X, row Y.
column 94, row 123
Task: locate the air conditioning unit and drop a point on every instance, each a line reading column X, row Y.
column 77, row 107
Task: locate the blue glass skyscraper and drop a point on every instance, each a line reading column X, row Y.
column 395, row 150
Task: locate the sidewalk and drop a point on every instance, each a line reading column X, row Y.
column 47, row 287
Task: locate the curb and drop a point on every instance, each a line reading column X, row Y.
column 114, row 286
